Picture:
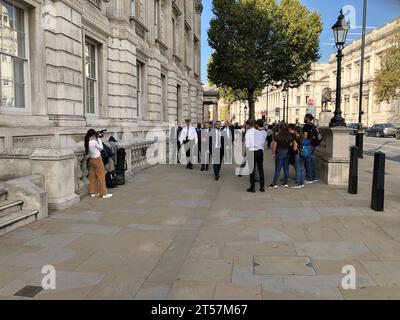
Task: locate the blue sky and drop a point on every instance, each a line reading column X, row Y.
column 378, row 13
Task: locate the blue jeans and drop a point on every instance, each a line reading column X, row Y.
column 299, row 165
column 281, row 161
column 310, row 166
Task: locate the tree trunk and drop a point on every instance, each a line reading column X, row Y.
column 250, row 99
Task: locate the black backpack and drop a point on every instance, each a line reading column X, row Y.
column 111, row 180
column 317, row 137
column 106, row 154
column 121, row 164
column 120, row 177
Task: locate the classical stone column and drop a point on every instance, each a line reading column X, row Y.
column 215, row 112
column 57, row 168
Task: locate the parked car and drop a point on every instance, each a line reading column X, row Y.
column 353, row 126
column 381, row 130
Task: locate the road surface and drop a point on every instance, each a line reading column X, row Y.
column 389, row 146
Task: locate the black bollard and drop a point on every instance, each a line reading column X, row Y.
column 378, row 182
column 353, row 172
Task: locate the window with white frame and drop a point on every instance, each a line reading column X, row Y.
column 164, row 98
column 13, row 56
column 139, row 88
column 91, row 74
column 157, row 19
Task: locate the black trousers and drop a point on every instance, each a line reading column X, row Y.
column 258, row 161
column 269, row 141
column 216, row 165
column 189, row 148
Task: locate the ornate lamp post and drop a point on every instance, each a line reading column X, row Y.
column 360, row 134
column 285, row 91
column 340, row 30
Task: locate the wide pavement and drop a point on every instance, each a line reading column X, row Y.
column 171, row 233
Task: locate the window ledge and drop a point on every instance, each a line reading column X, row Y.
column 177, row 59
column 176, row 9
column 161, row 45
column 188, row 27
column 139, row 23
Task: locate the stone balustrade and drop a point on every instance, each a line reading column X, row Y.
column 65, row 171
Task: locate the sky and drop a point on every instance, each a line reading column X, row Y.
column 379, row 12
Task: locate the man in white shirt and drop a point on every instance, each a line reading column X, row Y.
column 255, row 143
column 217, row 140
column 228, row 142
column 188, row 138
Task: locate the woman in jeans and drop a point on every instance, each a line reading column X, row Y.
column 280, row 153
column 97, row 181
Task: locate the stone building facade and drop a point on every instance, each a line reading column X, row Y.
column 308, row 97
column 124, row 65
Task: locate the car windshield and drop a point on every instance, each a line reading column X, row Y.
column 388, row 125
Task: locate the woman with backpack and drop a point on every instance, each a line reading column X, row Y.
column 93, row 148
column 280, row 154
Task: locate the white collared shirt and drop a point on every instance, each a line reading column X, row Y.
column 228, row 132
column 192, row 134
column 255, row 139
column 218, row 138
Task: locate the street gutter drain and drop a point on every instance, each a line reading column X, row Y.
column 29, row 291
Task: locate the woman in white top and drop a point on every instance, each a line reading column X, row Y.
column 97, row 173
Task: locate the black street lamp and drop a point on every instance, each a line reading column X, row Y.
column 285, row 90
column 360, row 134
column 340, row 30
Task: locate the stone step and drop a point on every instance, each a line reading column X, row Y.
column 3, row 194
column 10, row 206
column 17, row 219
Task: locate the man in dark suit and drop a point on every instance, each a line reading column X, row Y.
column 175, row 145
column 217, row 140
column 205, row 146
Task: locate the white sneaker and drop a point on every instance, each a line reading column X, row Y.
column 297, row 186
column 315, row 181
column 94, row 195
column 285, row 186
column 309, row 182
column 109, row 195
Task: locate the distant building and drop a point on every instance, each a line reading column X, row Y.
column 308, row 97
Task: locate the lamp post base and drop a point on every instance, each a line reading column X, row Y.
column 360, row 143
column 337, row 122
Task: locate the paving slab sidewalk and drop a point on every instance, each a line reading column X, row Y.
column 172, row 233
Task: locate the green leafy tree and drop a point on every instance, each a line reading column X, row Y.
column 387, row 79
column 239, row 35
column 297, row 46
column 259, row 42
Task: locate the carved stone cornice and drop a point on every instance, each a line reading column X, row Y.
column 198, row 6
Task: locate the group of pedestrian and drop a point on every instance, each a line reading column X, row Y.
column 290, row 144
column 295, row 145
column 211, row 142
